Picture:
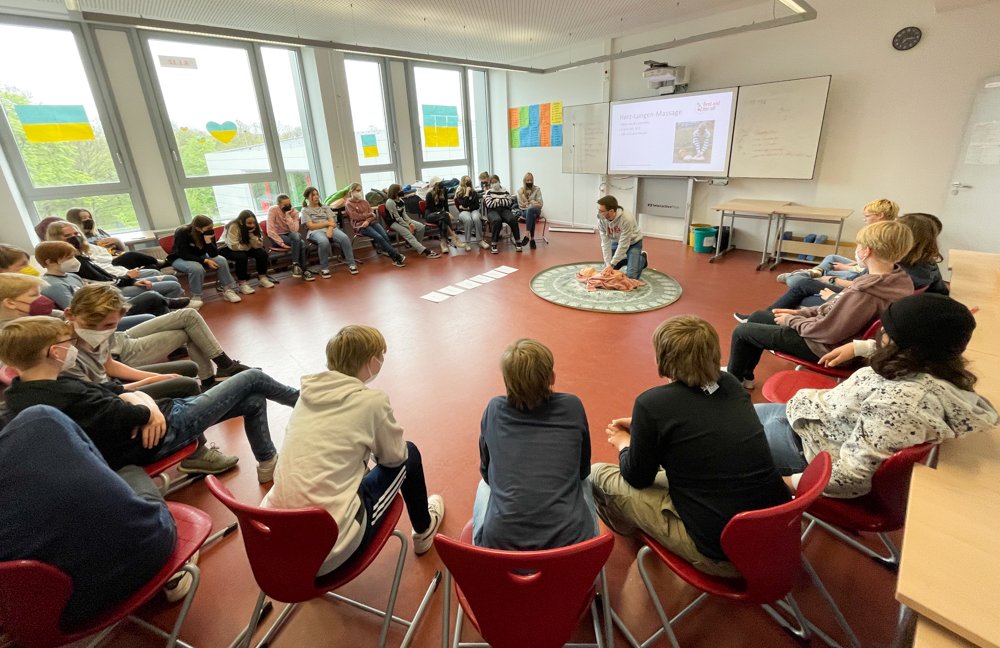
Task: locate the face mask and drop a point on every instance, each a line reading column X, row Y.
column 29, row 270
column 41, row 305
column 358, row 195
column 70, row 359
column 94, row 337
column 529, row 185
column 75, row 241
column 286, row 208
column 209, row 238
column 373, row 376
column 87, row 226
column 857, row 257
column 70, row 265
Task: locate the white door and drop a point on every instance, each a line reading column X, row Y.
column 972, row 209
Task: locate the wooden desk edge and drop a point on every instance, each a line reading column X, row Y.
column 944, row 623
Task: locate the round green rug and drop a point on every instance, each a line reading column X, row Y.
column 558, row 285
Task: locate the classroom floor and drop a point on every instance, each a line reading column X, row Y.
column 440, row 370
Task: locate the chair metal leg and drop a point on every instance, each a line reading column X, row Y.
column 609, row 630
column 841, row 620
column 890, row 559
column 802, row 629
column 446, row 612
column 244, row 638
column 272, row 632
column 905, row 628
column 421, row 609
column 459, row 617
column 617, row 620
column 188, row 600
column 664, row 620
column 394, row 590
column 101, row 636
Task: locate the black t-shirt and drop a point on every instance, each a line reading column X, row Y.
column 107, row 420
column 714, row 452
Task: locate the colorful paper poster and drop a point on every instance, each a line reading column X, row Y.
column 525, row 136
column 369, row 146
column 556, row 112
column 557, row 135
column 515, row 138
column 440, row 126
column 431, row 137
column 43, row 124
column 545, row 114
column 448, row 137
column 533, row 115
column 514, row 118
column 224, row 132
column 546, row 133
column 524, row 115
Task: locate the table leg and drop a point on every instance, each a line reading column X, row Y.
column 777, row 246
column 767, row 243
column 719, row 252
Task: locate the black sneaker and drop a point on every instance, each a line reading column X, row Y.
column 399, row 263
column 173, row 303
column 230, row 371
column 524, row 241
column 531, row 244
column 308, row 275
column 741, row 317
column 494, row 250
column 179, row 353
column 645, row 260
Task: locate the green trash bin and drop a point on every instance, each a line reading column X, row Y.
column 704, row 239
column 691, row 230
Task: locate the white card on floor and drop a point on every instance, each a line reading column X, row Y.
column 483, row 279
column 450, row 290
column 468, row 284
column 506, row 269
column 496, row 274
column 434, row 297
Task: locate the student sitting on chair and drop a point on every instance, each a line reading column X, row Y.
column 692, row 455
column 529, row 199
column 132, row 427
column 499, row 205
column 438, row 214
column 15, row 260
column 111, row 534
column 337, row 426
column 534, row 459
column 621, row 238
column 245, row 241
column 84, row 221
column 808, row 333
column 283, row 222
column 916, row 389
column 467, row 201
column 839, row 267
column 324, row 232
column 364, row 220
column 399, row 221
column 21, row 296
column 195, row 251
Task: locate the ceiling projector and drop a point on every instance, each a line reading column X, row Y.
column 665, row 77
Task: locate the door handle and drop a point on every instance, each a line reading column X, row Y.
column 957, row 186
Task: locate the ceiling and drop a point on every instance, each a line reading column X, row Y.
column 485, row 31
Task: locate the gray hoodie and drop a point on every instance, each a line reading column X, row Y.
column 621, row 228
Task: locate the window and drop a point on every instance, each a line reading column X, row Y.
column 438, row 103
column 234, row 145
column 373, row 136
column 55, row 128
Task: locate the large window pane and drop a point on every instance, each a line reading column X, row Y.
column 440, row 113
column 211, row 101
column 445, row 173
column 50, row 108
column 288, row 104
column 113, row 213
column 223, row 203
column 367, row 95
column 378, row 179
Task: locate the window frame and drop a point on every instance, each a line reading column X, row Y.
column 390, row 117
column 411, row 94
column 113, row 131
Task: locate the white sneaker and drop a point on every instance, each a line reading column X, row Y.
column 265, row 470
column 422, row 542
column 265, row 282
column 178, row 586
column 230, row 296
column 246, row 289
column 747, row 384
column 484, row 245
column 196, row 303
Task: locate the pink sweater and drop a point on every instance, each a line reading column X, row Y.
column 359, row 211
column 279, row 222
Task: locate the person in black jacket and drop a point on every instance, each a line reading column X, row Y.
column 438, row 214
column 467, row 202
column 397, row 219
column 194, row 252
column 132, row 427
column 499, row 211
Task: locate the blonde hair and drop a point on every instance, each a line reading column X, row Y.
column 464, row 187
column 687, row 350
column 352, row 347
column 54, row 232
column 884, row 207
column 15, row 284
column 527, row 366
column 22, row 341
column 888, row 240
column 47, row 251
column 92, row 303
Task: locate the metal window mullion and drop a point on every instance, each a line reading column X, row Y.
column 173, row 150
column 305, row 114
column 271, row 138
column 219, row 180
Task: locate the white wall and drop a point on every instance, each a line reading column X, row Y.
column 894, row 119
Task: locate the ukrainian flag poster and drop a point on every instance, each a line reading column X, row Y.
column 54, row 123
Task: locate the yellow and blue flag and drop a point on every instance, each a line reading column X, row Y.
column 54, row 123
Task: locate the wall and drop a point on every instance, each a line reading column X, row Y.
column 894, row 119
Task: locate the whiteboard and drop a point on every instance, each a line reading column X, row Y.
column 777, row 129
column 585, row 138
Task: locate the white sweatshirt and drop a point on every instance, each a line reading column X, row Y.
column 621, row 228
column 335, row 427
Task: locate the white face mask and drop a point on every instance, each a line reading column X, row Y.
column 857, row 257
column 358, row 195
column 70, row 265
column 70, row 359
column 94, row 337
column 373, row 376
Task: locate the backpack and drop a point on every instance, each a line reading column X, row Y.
column 376, row 197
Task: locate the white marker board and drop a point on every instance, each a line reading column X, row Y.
column 585, row 138
column 778, row 127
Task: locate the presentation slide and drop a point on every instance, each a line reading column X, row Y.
column 679, row 135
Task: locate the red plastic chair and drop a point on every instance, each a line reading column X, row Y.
column 159, row 471
column 882, row 510
column 286, row 548
column 512, row 609
column 34, row 594
column 766, row 548
column 780, row 387
column 166, row 243
column 834, row 372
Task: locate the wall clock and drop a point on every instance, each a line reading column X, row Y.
column 906, row 38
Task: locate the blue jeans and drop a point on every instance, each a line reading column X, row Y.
column 294, row 241
column 531, row 214
column 129, row 321
column 169, row 288
column 196, row 273
column 634, row 262
column 785, row 444
column 380, row 239
column 803, row 292
column 826, row 265
column 481, row 503
column 325, row 245
column 245, row 394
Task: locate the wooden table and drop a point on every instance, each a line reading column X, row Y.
column 747, row 208
column 950, row 573
column 792, row 212
column 134, row 239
